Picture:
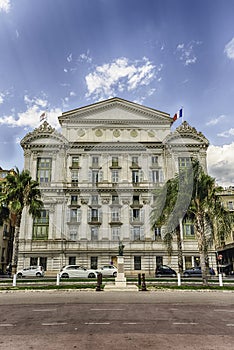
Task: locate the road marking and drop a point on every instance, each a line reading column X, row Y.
column 223, row 310
column 131, row 323
column 44, row 310
column 193, row 323
column 6, row 325
column 54, row 324
column 230, row 324
column 96, row 323
column 106, row 309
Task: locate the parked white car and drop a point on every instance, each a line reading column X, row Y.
column 71, row 271
column 31, row 271
column 108, row 271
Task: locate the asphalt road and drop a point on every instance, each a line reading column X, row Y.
column 116, row 320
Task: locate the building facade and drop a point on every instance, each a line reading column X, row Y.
column 97, row 177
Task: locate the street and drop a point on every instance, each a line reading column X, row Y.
column 111, row 320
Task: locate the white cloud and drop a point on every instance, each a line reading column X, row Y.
column 186, row 52
column 5, row 5
column 215, row 121
column 221, row 165
column 227, row 133
column 119, row 75
column 31, row 117
column 1, row 98
column 69, row 58
column 229, row 49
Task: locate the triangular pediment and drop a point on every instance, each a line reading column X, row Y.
column 114, row 111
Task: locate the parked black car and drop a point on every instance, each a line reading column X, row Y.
column 164, row 271
column 196, row 272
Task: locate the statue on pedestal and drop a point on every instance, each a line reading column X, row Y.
column 121, row 248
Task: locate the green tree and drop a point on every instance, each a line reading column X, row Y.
column 193, row 194
column 172, row 201
column 211, row 220
column 20, row 192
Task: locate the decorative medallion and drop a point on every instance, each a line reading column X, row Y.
column 116, row 133
column 81, row 132
column 98, row 133
column 134, row 133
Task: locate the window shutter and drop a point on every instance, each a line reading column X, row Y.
column 161, row 177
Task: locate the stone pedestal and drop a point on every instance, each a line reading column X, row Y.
column 120, row 281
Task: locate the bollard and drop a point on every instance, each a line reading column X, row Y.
column 143, row 287
column 139, row 279
column 220, row 280
column 99, row 282
column 58, row 280
column 179, row 279
column 14, row 280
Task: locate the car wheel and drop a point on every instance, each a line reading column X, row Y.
column 65, row 275
column 115, row 274
column 19, row 275
column 91, row 275
column 38, row 274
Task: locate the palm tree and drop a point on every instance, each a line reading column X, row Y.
column 19, row 192
column 193, row 193
column 170, row 207
column 211, row 220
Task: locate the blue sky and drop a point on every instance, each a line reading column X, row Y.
column 57, row 55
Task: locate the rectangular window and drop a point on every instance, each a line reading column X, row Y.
column 44, row 168
column 159, row 260
column 74, row 200
column 189, row 230
column 94, row 215
column 75, row 162
column 115, row 199
column 137, row 262
column 115, row 215
column 136, row 214
column 72, row 260
column 136, row 233
column 154, row 160
column 94, row 233
column 74, row 215
column 230, row 205
column 157, row 233
column 155, row 176
column 135, row 176
column 115, row 232
column 115, row 176
column 94, row 199
column 94, row 262
column 73, row 234
column 184, row 162
column 134, row 161
column 94, row 176
column 43, row 262
column 33, row 261
column 115, row 161
column 41, row 226
column 136, row 200
column 95, row 161
column 74, row 176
